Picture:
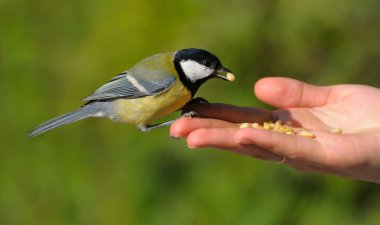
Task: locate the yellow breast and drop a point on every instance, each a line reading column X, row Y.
column 144, row 110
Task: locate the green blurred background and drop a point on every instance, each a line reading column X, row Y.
column 53, row 53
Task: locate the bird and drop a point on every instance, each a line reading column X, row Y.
column 151, row 89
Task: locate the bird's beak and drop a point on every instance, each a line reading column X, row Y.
column 224, row 73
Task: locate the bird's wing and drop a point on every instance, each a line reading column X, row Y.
column 144, row 79
column 126, row 85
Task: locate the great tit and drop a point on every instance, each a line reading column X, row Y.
column 154, row 87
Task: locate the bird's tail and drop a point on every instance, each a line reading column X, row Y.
column 81, row 113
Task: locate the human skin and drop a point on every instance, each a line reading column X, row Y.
column 354, row 108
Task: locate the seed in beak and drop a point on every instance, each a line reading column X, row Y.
column 230, row 77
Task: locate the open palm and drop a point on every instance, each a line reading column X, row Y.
column 354, row 108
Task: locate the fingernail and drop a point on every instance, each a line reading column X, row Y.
column 191, row 147
column 175, row 137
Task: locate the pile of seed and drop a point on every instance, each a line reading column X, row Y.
column 279, row 126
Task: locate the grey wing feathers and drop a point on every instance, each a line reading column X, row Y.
column 81, row 113
column 126, row 85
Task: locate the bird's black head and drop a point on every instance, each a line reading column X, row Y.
column 195, row 66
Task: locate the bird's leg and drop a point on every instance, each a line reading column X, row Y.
column 147, row 128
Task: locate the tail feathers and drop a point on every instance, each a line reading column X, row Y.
column 82, row 113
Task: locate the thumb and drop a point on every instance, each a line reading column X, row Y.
column 284, row 92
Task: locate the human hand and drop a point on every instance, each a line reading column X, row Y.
column 354, row 108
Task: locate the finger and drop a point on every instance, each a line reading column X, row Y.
column 183, row 126
column 223, row 138
column 231, row 113
column 290, row 93
column 301, row 168
column 293, row 147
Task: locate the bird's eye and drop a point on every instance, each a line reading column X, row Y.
column 206, row 63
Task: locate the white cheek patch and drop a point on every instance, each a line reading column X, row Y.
column 195, row 71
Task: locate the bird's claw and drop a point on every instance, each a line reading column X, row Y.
column 191, row 114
